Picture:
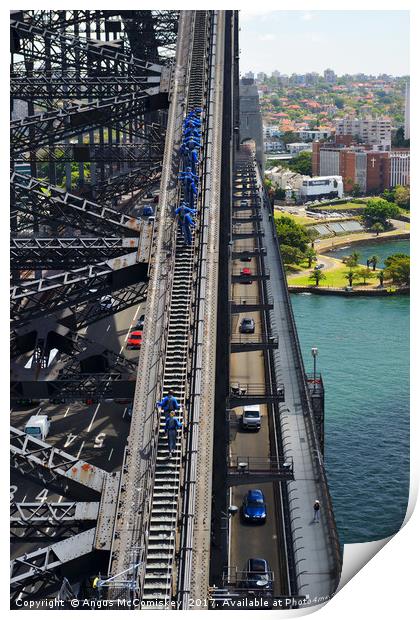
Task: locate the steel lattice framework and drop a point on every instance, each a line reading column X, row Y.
column 89, row 96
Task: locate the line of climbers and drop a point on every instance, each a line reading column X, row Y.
column 189, row 151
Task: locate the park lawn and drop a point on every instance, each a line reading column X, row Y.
column 334, row 277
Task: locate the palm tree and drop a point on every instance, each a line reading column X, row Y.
column 373, row 260
column 353, row 259
column 381, row 277
column 310, row 254
column 365, row 273
column 350, row 275
column 317, row 275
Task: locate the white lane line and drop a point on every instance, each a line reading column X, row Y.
column 108, row 328
column 135, row 316
column 39, row 410
column 60, row 498
column 110, row 454
column 80, row 449
column 121, row 350
column 67, row 410
column 125, row 411
column 23, row 501
column 93, row 418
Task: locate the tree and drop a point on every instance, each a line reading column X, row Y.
column 279, row 193
column 381, row 277
column 291, row 233
column 350, row 275
column 356, row 190
column 291, row 255
column 402, row 196
column 379, row 211
column 399, row 270
column 302, row 163
column 310, row 254
column 365, row 274
column 352, row 260
column 398, row 140
column 378, row 228
column 290, row 136
column 316, row 275
column 393, row 257
column 373, row 260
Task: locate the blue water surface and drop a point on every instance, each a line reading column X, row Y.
column 364, row 360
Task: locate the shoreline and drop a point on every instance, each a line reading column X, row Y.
column 325, row 246
column 358, row 292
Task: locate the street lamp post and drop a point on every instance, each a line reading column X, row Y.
column 314, row 352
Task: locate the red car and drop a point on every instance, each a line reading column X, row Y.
column 246, row 272
column 134, row 340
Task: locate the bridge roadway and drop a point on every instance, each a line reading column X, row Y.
column 247, row 540
column 317, row 554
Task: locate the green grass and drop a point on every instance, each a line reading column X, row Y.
column 334, row 277
column 341, row 207
column 299, row 219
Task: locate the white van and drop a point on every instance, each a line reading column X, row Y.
column 38, row 426
column 251, row 417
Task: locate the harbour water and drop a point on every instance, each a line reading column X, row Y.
column 381, row 249
column 363, row 345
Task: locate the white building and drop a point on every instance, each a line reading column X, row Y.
column 298, row 147
column 322, row 187
column 273, row 146
column 314, row 134
column 286, row 179
column 271, row 131
column 370, row 130
column 399, row 168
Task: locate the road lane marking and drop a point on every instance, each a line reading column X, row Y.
column 70, row 439
column 59, row 499
column 80, row 449
column 125, row 411
column 67, row 410
column 108, row 328
column 99, row 440
column 93, row 418
column 110, row 454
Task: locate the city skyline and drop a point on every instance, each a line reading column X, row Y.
column 303, row 41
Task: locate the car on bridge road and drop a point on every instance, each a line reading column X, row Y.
column 247, row 326
column 246, row 273
column 140, row 323
column 254, row 509
column 135, row 340
column 259, row 575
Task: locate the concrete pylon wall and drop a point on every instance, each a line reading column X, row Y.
column 251, row 127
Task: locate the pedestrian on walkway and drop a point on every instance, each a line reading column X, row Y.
column 172, row 425
column 316, row 511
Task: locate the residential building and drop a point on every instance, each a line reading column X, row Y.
column 249, row 75
column 407, row 112
column 271, row 131
column 261, row 76
column 314, row 134
column 273, row 146
column 370, row 131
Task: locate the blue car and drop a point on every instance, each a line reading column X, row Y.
column 254, row 509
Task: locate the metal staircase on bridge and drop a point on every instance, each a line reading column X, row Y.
column 161, row 541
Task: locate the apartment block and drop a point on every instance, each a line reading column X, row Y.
column 370, row 131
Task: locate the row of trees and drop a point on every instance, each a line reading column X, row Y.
column 397, row 270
